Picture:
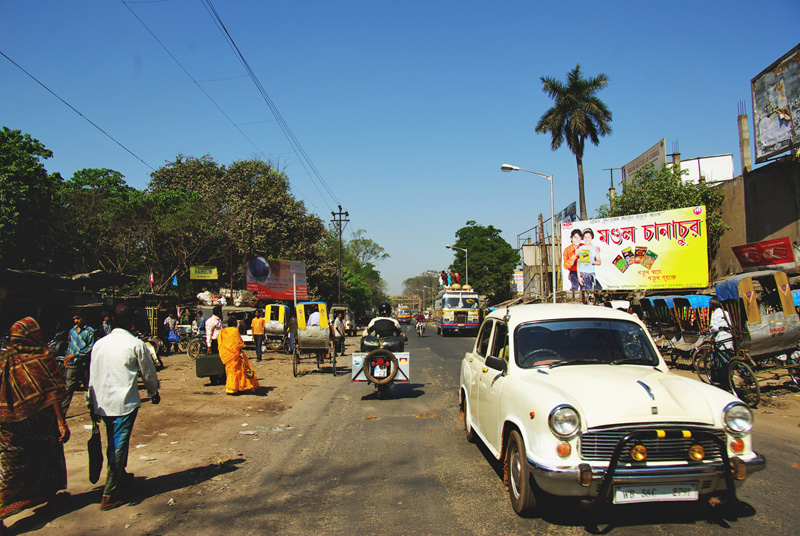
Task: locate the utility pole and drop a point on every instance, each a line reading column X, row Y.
column 338, row 219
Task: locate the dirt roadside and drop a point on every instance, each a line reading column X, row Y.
column 184, row 445
column 192, row 445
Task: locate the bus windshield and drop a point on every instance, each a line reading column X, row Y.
column 460, row 302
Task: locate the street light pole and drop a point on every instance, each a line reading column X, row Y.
column 466, row 257
column 509, row 167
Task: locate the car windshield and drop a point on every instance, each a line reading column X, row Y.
column 582, row 341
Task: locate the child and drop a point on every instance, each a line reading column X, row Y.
column 588, row 258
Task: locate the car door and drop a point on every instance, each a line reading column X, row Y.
column 491, row 385
column 476, row 361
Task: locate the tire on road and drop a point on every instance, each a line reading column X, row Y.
column 520, row 481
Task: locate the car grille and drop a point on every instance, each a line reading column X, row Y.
column 461, row 318
column 599, row 445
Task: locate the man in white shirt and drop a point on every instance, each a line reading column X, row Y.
column 114, row 396
column 213, row 327
column 313, row 319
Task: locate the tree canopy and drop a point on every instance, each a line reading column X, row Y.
column 576, row 116
column 654, row 190
column 492, row 260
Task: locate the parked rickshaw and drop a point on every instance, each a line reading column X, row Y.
column 766, row 329
column 313, row 342
column 692, row 312
column 649, row 317
column 276, row 327
column 667, row 324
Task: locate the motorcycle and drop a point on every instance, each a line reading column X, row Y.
column 58, row 348
column 381, row 362
column 420, row 327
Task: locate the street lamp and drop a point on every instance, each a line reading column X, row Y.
column 466, row 257
column 509, row 167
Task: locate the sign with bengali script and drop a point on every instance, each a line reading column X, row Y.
column 517, row 282
column 656, row 250
column 203, row 272
column 273, row 279
column 776, row 254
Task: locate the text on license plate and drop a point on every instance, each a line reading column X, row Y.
column 674, row 491
column 380, row 371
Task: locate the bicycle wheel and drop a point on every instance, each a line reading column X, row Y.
column 193, row 349
column 793, row 368
column 743, row 383
column 183, row 344
column 701, row 363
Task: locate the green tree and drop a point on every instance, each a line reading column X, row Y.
column 577, row 115
column 491, row 260
column 27, row 202
column 654, row 190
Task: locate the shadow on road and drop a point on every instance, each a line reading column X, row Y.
column 398, row 390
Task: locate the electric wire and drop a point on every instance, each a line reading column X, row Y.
column 109, row 136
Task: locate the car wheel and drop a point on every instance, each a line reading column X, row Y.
column 520, row 488
column 468, row 430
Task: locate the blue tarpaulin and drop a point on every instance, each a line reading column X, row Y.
column 796, row 297
column 697, row 300
column 729, row 289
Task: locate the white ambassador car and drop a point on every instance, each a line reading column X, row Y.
column 577, row 401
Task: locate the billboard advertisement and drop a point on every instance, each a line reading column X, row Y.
column 569, row 213
column 517, row 282
column 776, row 106
column 656, row 250
column 272, row 279
column 769, row 254
column 656, row 155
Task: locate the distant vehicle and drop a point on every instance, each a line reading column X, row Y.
column 363, row 318
column 457, row 311
column 403, row 314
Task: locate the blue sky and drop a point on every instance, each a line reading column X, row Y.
column 405, row 109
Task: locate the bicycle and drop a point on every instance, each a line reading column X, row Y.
column 717, row 363
column 194, row 345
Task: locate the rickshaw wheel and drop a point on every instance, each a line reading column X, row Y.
column 274, row 344
column 701, row 363
column 295, row 362
column 743, row 383
column 793, row 368
column 193, row 349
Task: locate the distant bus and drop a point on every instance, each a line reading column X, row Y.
column 457, row 311
column 403, row 314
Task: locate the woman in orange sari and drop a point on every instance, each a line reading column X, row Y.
column 237, row 366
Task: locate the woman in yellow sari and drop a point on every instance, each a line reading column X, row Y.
column 237, row 366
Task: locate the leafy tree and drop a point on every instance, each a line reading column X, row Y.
column 577, row 115
column 27, row 208
column 491, row 260
column 654, row 190
column 423, row 285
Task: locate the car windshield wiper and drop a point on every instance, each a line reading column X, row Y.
column 581, row 361
column 633, row 361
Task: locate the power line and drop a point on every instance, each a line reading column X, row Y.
column 18, row 66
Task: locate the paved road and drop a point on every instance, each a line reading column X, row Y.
column 354, row 464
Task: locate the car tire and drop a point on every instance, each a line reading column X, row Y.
column 520, row 481
column 372, row 357
column 469, row 432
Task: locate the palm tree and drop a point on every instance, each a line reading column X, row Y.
column 577, row 115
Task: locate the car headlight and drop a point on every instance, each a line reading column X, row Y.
column 738, row 418
column 564, row 421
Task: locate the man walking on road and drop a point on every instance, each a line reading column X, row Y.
column 114, row 396
column 79, row 350
column 338, row 335
column 257, row 325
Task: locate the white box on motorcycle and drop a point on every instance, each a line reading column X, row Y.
column 357, row 369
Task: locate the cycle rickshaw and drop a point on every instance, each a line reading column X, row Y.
column 692, row 313
column 765, row 327
column 313, row 343
column 276, row 327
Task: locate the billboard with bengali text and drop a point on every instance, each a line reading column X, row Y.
column 656, row 155
column 273, row 279
column 203, row 272
column 656, row 250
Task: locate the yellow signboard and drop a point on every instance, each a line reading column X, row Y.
column 203, row 272
column 667, row 249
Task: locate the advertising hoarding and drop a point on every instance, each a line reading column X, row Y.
column 656, row 155
column 517, row 282
column 656, row 250
column 272, row 279
column 769, row 254
column 203, row 272
column 776, row 106
column 568, row 213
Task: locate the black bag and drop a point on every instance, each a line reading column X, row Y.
column 95, row 448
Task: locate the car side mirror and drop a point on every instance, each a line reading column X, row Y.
column 496, row 363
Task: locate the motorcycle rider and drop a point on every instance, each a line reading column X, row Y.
column 420, row 318
column 384, row 325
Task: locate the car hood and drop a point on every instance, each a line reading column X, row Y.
column 615, row 394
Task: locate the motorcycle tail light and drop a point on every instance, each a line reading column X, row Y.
column 697, row 453
column 380, row 361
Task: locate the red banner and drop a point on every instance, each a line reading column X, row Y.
column 775, row 253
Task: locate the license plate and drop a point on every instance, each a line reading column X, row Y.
column 675, row 491
column 380, row 371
